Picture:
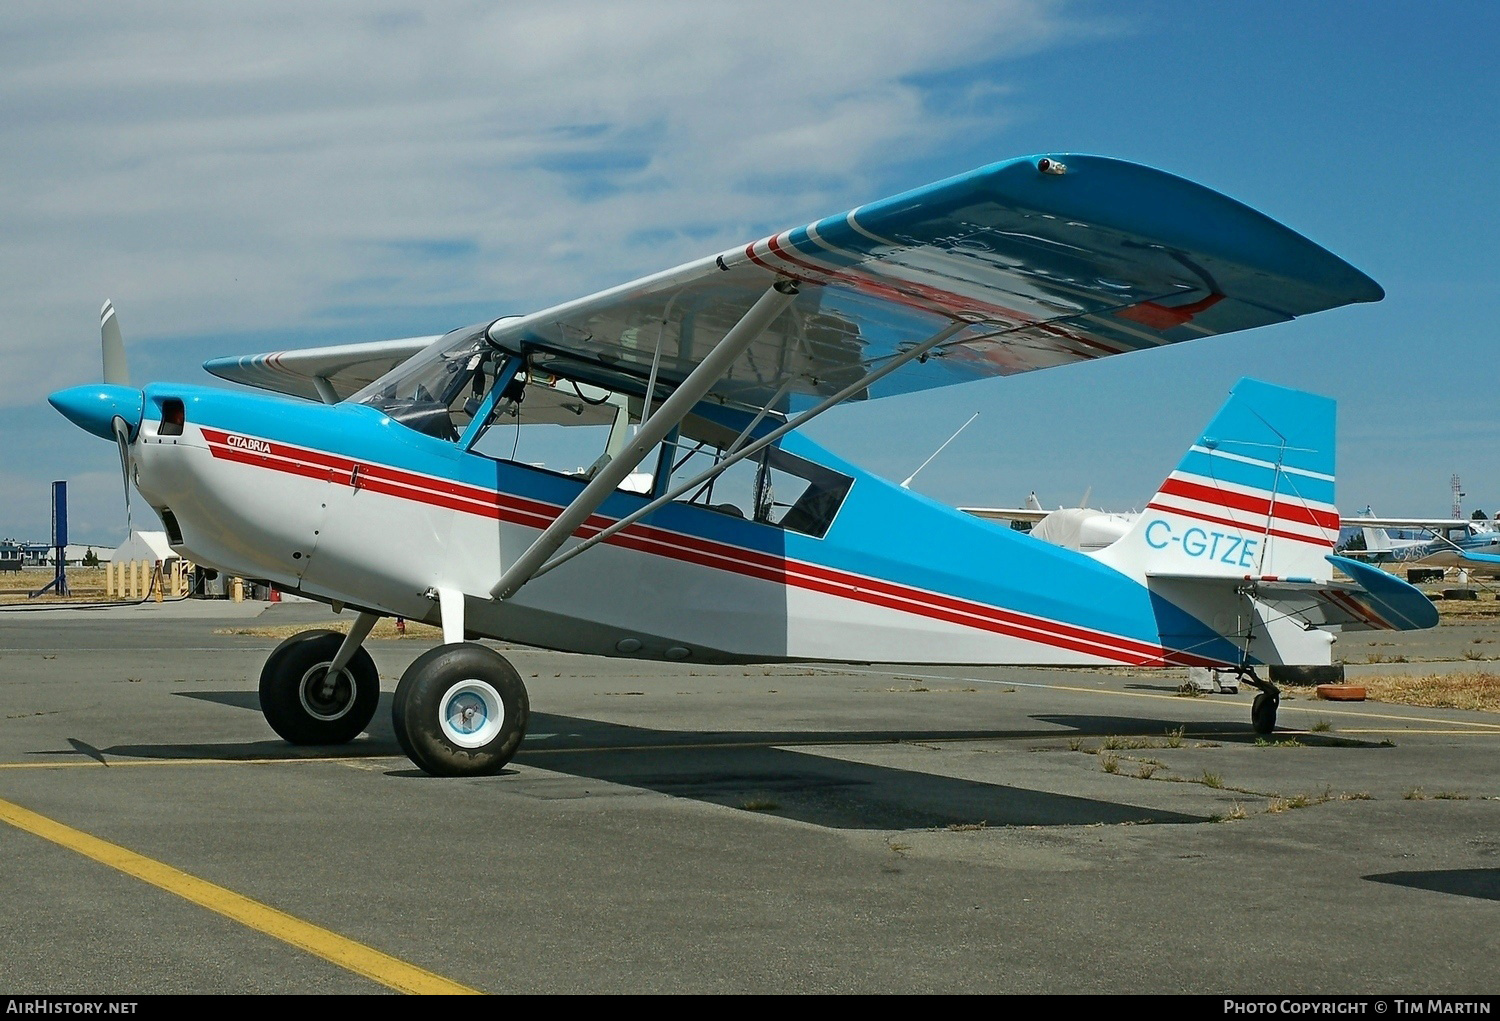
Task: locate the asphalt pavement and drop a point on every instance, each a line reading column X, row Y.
column 794, row 828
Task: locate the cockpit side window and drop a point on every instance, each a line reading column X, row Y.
column 773, row 487
column 559, row 424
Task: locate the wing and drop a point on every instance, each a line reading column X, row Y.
column 1046, row 260
column 342, row 369
column 1428, row 524
column 1050, row 260
column 1006, row 513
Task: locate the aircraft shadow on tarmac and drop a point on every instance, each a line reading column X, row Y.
column 760, row 771
column 1481, row 883
column 1159, row 733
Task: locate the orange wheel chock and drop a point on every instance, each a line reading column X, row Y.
column 1342, row 692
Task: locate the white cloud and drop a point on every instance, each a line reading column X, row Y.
column 248, row 167
column 290, row 169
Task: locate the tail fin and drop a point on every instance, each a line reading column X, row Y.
column 1252, row 498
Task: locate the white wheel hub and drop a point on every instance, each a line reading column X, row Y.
column 471, row 714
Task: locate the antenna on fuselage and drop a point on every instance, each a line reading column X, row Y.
column 939, row 450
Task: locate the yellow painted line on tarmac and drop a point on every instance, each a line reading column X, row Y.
column 1408, row 730
column 346, row 953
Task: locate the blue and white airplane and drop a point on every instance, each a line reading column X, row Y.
column 404, row 493
column 1469, row 545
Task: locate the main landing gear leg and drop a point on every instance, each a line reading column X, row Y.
column 1263, row 709
column 321, row 687
column 461, row 708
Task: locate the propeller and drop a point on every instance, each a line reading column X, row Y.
column 111, row 409
column 117, row 372
column 122, row 441
column 113, row 346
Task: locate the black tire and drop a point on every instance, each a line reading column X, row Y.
column 1328, row 674
column 301, row 707
column 461, row 710
column 1263, row 713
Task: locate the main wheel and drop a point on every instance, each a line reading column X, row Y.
column 1263, row 713
column 461, row 710
column 304, row 704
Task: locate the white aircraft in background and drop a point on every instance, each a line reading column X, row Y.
column 1084, row 528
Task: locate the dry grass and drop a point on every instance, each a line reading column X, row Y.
column 1475, row 689
column 85, row 584
column 1486, row 607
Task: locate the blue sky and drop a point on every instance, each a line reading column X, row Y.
column 244, row 177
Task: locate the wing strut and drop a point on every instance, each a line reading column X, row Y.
column 326, row 393
column 652, row 431
column 736, row 456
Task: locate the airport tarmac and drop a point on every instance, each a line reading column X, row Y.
column 671, row 828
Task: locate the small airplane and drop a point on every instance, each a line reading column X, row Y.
column 1469, row 545
column 1084, row 528
column 386, row 478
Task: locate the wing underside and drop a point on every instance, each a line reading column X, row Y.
column 1047, row 268
column 1046, row 260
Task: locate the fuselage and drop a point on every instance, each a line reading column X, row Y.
column 345, row 504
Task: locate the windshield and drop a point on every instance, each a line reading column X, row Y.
column 438, row 391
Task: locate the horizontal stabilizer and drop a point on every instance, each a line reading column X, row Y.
column 1390, row 603
column 1373, row 600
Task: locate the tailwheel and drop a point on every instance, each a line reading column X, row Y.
column 1263, row 709
column 1263, row 712
column 305, row 703
column 461, row 710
